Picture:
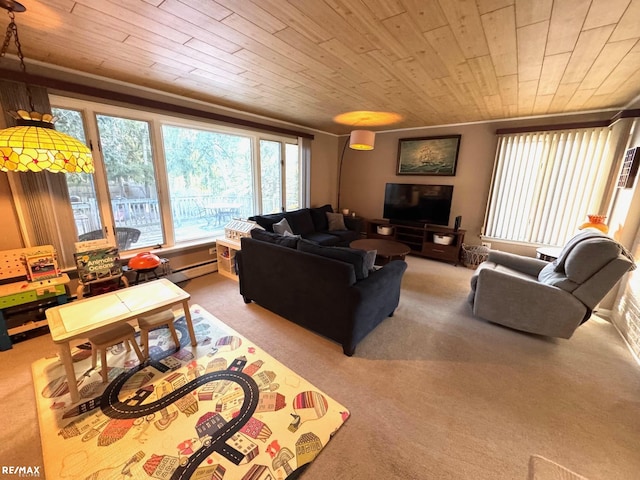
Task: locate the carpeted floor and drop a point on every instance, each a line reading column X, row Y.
column 434, row 393
column 225, row 409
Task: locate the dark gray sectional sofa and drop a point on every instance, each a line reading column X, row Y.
column 312, row 224
column 324, row 289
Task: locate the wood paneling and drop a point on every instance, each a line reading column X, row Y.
column 306, row 61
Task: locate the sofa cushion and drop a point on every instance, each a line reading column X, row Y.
column 282, row 227
column 265, row 236
column 348, row 255
column 589, row 257
column 549, row 276
column 345, row 237
column 586, row 234
column 319, row 217
column 323, row 238
column 300, row 221
column 336, row 221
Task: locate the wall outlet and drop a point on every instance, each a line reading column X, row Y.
column 486, row 244
column 212, row 251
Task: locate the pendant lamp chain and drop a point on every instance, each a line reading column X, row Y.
column 12, row 31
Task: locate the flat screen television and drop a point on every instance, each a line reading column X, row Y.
column 418, row 204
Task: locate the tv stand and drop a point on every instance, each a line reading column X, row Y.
column 420, row 239
column 409, row 223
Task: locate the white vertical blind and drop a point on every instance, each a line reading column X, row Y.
column 42, row 202
column 545, row 183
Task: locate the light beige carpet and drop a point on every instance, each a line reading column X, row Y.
column 434, row 393
column 224, row 409
column 541, row 468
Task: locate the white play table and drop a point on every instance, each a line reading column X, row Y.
column 87, row 317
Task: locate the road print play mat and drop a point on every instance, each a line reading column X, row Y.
column 223, row 410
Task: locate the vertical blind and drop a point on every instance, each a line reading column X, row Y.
column 42, row 201
column 545, row 183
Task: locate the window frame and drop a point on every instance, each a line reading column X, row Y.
column 91, row 109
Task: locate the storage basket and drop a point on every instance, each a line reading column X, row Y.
column 442, row 239
column 384, row 230
column 474, row 255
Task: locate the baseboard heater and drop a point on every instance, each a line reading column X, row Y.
column 198, row 269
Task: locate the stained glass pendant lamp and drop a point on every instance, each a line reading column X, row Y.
column 33, row 145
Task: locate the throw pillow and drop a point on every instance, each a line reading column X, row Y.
column 319, row 217
column 300, row 221
column 282, row 227
column 348, row 255
column 370, row 259
column 336, row 221
column 285, row 241
column 267, row 221
column 288, row 234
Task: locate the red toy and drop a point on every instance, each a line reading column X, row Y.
column 144, row 261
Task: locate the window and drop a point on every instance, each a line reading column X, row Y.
column 545, row 183
column 209, row 179
column 292, row 174
column 131, row 180
column 270, row 176
column 168, row 179
column 82, row 191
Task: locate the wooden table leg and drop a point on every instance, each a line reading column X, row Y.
column 187, row 316
column 67, row 361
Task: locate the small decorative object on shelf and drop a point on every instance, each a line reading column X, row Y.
column 237, row 228
column 596, row 221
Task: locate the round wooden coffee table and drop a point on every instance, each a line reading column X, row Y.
column 387, row 250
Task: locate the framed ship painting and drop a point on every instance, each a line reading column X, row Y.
column 428, row 155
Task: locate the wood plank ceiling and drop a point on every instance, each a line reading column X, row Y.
column 305, row 61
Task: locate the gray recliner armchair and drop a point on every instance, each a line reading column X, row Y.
column 549, row 298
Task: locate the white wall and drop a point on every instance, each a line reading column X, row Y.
column 626, row 311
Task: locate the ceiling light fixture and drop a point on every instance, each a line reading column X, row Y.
column 33, row 145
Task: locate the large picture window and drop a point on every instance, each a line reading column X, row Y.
column 545, row 183
column 166, row 181
column 209, row 179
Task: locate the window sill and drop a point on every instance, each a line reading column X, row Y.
column 192, row 245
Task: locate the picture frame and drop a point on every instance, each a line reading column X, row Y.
column 428, row 155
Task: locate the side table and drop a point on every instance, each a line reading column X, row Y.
column 226, row 255
column 548, row 254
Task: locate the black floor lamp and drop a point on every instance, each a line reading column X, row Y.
column 358, row 140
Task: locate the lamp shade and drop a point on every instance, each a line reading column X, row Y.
column 362, row 140
column 33, row 146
